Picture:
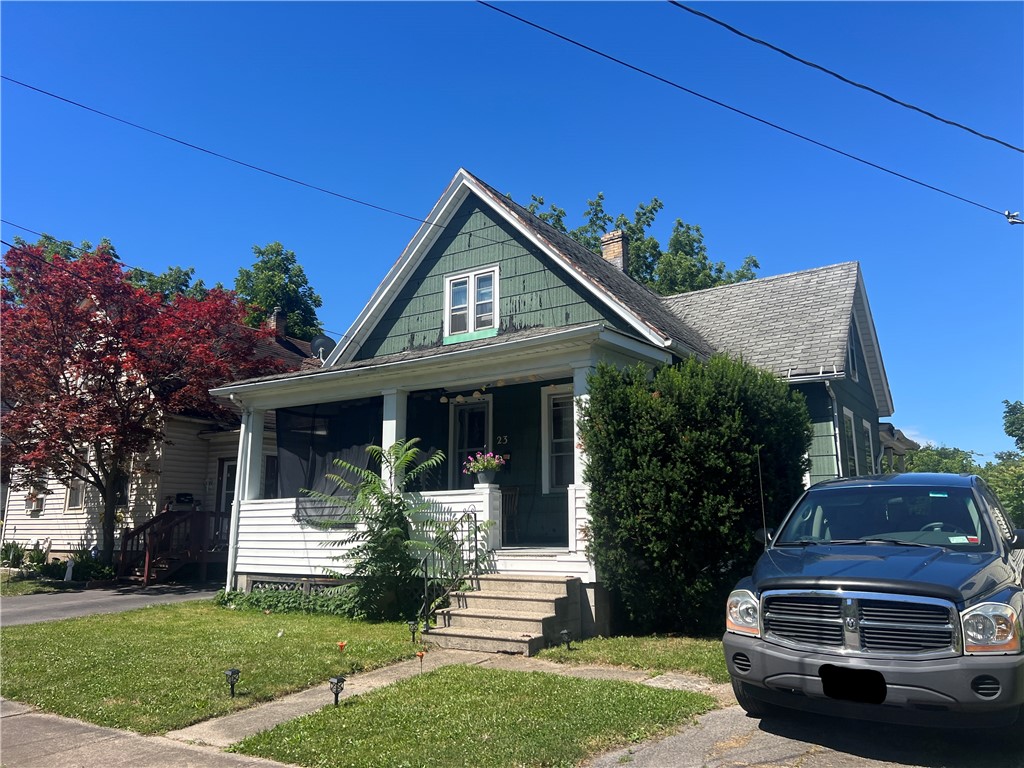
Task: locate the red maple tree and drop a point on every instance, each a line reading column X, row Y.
column 92, row 365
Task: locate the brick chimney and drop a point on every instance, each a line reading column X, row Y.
column 278, row 322
column 615, row 249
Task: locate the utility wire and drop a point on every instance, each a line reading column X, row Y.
column 748, row 115
column 209, row 151
column 838, row 76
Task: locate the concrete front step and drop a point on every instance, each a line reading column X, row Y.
column 517, row 622
column 485, row 640
column 525, row 584
column 512, row 602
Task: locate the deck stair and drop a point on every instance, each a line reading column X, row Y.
column 510, row 613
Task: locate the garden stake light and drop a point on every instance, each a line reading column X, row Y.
column 232, row 676
column 566, row 639
column 412, row 630
column 337, row 686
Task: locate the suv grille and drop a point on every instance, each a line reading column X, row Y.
column 861, row 623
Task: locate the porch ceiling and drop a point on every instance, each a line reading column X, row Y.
column 528, row 356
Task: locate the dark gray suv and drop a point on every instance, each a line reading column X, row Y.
column 894, row 597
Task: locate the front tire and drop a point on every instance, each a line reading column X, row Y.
column 751, row 705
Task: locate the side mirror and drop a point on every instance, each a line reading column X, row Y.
column 764, row 535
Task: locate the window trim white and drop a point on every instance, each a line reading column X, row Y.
column 548, row 395
column 472, row 331
column 850, row 426
column 852, row 344
column 865, row 430
column 83, row 455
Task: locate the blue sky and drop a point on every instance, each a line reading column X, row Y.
column 383, row 102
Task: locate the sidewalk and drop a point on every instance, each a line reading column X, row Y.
column 32, row 739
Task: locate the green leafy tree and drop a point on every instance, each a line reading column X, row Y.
column 175, row 281
column 683, row 266
column 1013, row 421
column 683, row 468
column 936, row 458
column 384, row 557
column 1006, row 478
column 278, row 280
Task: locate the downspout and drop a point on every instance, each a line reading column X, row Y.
column 835, row 429
column 241, row 473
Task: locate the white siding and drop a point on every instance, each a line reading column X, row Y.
column 183, row 464
column 272, row 541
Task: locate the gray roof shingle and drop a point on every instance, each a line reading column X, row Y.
column 792, row 325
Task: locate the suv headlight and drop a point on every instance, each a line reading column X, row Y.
column 991, row 628
column 743, row 613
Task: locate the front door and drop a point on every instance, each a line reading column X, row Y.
column 471, row 433
column 225, row 498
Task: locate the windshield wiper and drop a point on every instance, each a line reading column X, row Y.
column 900, row 542
column 817, row 542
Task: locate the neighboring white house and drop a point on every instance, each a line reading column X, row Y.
column 193, row 468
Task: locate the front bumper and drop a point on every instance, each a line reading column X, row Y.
column 988, row 689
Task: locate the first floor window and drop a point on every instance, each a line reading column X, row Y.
column 868, row 446
column 559, row 441
column 849, row 444
column 76, row 491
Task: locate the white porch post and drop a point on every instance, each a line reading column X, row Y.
column 396, row 403
column 578, row 492
column 248, row 479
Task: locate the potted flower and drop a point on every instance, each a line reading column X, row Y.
column 484, row 465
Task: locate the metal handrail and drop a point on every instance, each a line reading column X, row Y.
column 461, row 567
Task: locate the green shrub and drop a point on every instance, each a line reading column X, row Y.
column 87, row 568
column 678, row 467
column 12, row 554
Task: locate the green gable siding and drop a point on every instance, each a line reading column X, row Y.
column 822, row 452
column 532, row 291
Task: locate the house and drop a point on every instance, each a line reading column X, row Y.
column 813, row 329
column 189, row 476
column 481, row 337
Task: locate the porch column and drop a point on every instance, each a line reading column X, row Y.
column 579, row 517
column 396, row 403
column 248, row 478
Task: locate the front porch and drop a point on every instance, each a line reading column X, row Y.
column 280, row 538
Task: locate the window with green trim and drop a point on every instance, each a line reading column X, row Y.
column 470, row 303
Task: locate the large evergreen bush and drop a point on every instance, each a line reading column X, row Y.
column 679, row 466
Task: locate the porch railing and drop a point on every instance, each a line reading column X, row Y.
column 170, row 540
column 452, row 559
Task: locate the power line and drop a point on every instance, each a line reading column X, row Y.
column 838, row 76
column 738, row 111
column 210, row 151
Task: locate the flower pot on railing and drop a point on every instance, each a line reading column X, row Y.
column 484, row 465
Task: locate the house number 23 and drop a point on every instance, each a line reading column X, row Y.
column 501, row 440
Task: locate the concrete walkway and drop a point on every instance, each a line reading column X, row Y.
column 29, row 738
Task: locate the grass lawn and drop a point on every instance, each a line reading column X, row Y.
column 162, row 668
column 468, row 716
column 12, row 586
column 656, row 653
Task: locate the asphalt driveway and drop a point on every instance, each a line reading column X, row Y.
column 51, row 606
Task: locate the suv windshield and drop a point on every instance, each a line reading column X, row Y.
column 929, row 516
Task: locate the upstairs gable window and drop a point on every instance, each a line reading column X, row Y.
column 852, row 347
column 470, row 304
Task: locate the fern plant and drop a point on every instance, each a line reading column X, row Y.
column 381, row 551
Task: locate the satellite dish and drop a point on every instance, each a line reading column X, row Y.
column 322, row 346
